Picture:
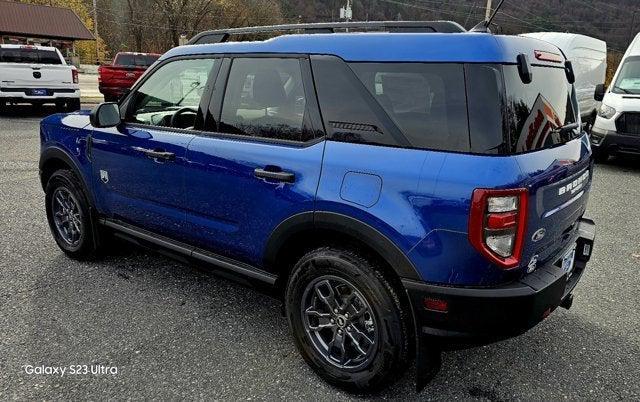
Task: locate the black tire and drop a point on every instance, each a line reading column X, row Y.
column 387, row 356
column 73, row 105
column 64, row 183
column 600, row 156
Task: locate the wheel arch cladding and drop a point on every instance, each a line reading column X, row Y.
column 53, row 159
column 303, row 231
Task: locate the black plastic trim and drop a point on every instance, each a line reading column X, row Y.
column 235, row 267
column 54, row 152
column 347, row 225
column 482, row 315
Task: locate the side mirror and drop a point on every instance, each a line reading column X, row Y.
column 599, row 93
column 105, row 115
column 524, row 69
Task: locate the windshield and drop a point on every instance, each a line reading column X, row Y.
column 628, row 81
column 536, row 112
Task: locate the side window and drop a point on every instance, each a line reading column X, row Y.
column 171, row 96
column 426, row 101
column 266, row 98
column 350, row 113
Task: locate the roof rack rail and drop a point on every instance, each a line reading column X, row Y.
column 222, row 35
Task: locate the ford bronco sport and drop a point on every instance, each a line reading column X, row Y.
column 402, row 191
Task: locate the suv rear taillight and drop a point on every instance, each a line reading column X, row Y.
column 497, row 224
column 74, row 75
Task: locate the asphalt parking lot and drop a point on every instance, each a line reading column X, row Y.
column 174, row 331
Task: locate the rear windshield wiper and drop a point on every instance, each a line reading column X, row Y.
column 566, row 127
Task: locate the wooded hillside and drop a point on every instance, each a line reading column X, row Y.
column 155, row 25
column 612, row 21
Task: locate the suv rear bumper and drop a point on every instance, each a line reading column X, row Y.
column 21, row 95
column 610, row 142
column 481, row 315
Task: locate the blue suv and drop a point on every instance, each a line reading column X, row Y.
column 402, row 191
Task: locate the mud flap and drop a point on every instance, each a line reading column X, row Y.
column 428, row 360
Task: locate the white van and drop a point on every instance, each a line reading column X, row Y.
column 589, row 59
column 617, row 128
column 37, row 75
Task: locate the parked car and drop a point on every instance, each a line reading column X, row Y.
column 589, row 58
column 115, row 79
column 37, row 75
column 432, row 193
column 617, row 127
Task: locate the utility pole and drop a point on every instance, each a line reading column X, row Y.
column 346, row 13
column 488, row 12
column 95, row 29
column 633, row 23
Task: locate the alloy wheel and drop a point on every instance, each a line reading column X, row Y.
column 340, row 322
column 66, row 216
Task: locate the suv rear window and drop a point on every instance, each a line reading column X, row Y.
column 28, row 55
column 535, row 110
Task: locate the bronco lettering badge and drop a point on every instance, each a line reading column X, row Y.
column 575, row 185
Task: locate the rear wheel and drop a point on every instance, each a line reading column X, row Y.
column 68, row 214
column 347, row 319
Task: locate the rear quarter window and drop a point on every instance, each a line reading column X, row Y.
column 426, row 101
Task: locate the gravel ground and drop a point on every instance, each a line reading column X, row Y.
column 174, row 332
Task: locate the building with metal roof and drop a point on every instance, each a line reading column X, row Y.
column 34, row 24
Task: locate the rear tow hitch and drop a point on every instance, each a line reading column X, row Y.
column 567, row 302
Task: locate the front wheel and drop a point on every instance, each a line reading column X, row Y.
column 68, row 214
column 347, row 318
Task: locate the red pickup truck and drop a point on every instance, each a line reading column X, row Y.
column 115, row 79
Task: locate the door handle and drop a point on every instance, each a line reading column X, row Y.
column 286, row 177
column 156, row 153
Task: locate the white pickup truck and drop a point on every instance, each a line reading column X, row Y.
column 37, row 75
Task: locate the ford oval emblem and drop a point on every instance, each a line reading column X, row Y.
column 539, row 234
